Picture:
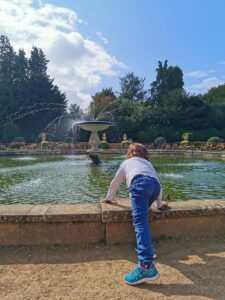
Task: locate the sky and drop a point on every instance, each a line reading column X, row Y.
column 92, row 43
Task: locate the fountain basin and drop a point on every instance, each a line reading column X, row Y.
column 94, row 126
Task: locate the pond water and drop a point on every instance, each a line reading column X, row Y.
column 73, row 179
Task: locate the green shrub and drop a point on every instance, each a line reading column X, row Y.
column 125, row 144
column 44, row 144
column 214, row 140
column 103, row 145
column 19, row 139
column 68, row 140
column 2, row 147
column 160, row 141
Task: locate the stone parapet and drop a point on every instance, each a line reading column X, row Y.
column 26, row 213
column 121, row 211
column 93, row 223
column 112, row 150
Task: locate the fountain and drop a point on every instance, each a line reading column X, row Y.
column 94, row 127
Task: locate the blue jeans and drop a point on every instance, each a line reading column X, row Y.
column 143, row 192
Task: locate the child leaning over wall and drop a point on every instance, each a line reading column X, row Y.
column 144, row 188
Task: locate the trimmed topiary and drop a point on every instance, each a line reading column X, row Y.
column 214, row 140
column 68, row 140
column 104, row 145
column 125, row 144
column 44, row 144
column 184, row 143
column 19, row 139
column 160, row 141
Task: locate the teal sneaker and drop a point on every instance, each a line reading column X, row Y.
column 140, row 275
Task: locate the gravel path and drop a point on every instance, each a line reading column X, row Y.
column 189, row 270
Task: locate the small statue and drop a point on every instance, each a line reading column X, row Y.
column 43, row 136
column 104, row 137
column 125, row 137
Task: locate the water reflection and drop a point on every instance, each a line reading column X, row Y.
column 73, row 179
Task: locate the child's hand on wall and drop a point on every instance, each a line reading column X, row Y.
column 105, row 200
column 164, row 207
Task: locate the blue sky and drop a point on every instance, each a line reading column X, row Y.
column 132, row 35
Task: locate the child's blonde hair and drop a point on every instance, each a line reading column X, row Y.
column 137, row 149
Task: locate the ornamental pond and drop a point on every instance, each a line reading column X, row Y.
column 73, row 179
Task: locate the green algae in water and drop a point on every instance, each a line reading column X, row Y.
column 73, row 179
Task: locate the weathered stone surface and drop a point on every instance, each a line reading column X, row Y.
column 14, row 213
column 121, row 211
column 117, row 212
column 83, row 224
column 119, row 233
column 61, row 233
column 50, row 213
column 189, row 227
column 191, row 208
column 38, row 213
column 9, row 234
column 78, row 233
column 74, row 212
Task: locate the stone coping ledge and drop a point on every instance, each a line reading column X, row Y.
column 122, row 212
column 26, row 213
column 11, row 153
column 107, row 213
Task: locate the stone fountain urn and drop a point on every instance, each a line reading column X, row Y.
column 94, row 127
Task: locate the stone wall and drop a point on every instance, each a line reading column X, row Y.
column 111, row 224
column 114, row 149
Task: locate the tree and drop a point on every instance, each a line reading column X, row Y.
column 132, row 88
column 75, row 112
column 45, row 102
column 7, row 56
column 101, row 104
column 28, row 96
column 21, row 74
column 215, row 96
column 128, row 115
column 194, row 113
column 167, row 79
column 10, row 131
column 38, row 62
column 7, row 68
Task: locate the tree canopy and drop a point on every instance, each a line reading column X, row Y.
column 28, row 96
column 30, row 102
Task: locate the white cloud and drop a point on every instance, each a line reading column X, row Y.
column 197, row 74
column 102, row 38
column 77, row 63
column 205, row 85
column 222, row 62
